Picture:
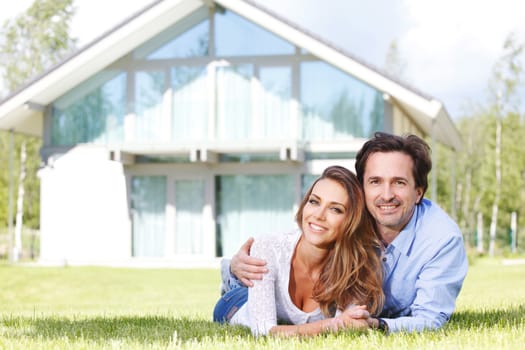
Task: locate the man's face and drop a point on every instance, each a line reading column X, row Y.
column 390, row 190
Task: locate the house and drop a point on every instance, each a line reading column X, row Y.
column 195, row 124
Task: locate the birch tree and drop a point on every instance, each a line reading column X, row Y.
column 20, row 205
column 506, row 79
column 29, row 44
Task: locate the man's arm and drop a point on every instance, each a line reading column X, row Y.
column 437, row 287
column 245, row 268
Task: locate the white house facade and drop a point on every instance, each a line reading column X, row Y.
column 195, row 124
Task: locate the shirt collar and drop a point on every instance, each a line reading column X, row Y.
column 404, row 240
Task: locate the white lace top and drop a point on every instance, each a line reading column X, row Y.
column 269, row 302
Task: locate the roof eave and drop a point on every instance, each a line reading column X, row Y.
column 87, row 62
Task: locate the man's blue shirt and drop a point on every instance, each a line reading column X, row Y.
column 424, row 269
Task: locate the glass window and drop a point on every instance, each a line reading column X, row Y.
column 149, row 88
column 234, row 102
column 189, row 230
column 335, row 105
column 143, row 159
column 91, row 112
column 236, row 36
column 329, row 155
column 306, row 182
column 187, row 38
column 276, row 83
column 148, row 208
column 253, row 205
column 249, row 158
column 190, row 104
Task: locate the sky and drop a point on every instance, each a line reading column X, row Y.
column 448, row 47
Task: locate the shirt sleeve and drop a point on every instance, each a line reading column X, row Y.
column 437, row 287
column 233, row 281
column 261, row 297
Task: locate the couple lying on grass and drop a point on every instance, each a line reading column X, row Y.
column 370, row 253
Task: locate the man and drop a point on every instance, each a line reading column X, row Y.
column 424, row 258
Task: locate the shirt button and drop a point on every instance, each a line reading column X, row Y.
column 384, row 258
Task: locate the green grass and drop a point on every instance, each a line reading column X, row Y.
column 109, row 308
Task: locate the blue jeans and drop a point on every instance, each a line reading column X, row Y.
column 229, row 304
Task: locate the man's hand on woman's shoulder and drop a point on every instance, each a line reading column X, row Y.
column 245, row 267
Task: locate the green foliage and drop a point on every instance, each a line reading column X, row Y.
column 475, row 167
column 30, row 44
column 31, row 215
column 111, row 308
column 35, row 40
column 395, row 64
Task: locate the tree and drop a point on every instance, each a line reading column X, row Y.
column 506, row 78
column 491, row 164
column 29, row 44
column 35, row 40
column 394, row 65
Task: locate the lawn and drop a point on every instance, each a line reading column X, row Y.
column 116, row 308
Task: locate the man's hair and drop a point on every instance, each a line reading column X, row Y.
column 410, row 145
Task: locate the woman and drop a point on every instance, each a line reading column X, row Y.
column 325, row 276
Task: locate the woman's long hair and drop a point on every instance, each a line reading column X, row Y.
column 352, row 271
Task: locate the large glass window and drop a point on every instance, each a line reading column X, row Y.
column 275, row 101
column 189, row 230
column 187, row 38
column 236, row 36
column 335, row 105
column 234, row 102
column 190, row 104
column 307, row 181
column 148, row 123
column 248, row 97
column 148, row 208
column 92, row 112
column 253, row 206
column 193, row 43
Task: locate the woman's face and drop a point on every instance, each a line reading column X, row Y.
column 325, row 212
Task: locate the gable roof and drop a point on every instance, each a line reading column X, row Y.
column 23, row 110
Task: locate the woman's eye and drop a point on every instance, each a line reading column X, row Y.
column 337, row 210
column 313, row 201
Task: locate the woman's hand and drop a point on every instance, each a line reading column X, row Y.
column 353, row 317
column 245, row 267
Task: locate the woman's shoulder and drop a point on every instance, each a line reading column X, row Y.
column 278, row 238
column 282, row 241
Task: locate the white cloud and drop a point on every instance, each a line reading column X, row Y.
column 10, row 9
column 94, row 17
column 452, row 45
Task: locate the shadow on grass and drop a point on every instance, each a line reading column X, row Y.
column 489, row 318
column 158, row 329
column 147, row 329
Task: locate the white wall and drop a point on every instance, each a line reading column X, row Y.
column 84, row 217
